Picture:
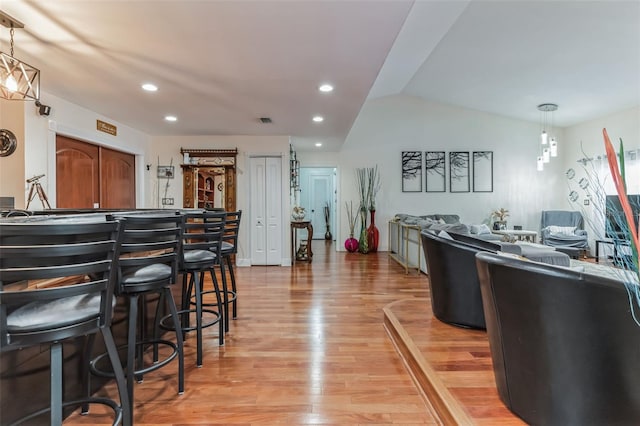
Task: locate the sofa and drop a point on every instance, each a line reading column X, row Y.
column 453, row 277
column 404, row 235
column 564, row 345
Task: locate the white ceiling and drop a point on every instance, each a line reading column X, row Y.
column 221, row 65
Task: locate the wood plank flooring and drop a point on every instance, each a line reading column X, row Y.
column 309, row 347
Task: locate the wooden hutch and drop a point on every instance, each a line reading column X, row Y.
column 209, row 178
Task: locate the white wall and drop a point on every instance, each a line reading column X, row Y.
column 387, row 126
column 69, row 119
column 167, row 149
column 586, row 140
column 12, row 181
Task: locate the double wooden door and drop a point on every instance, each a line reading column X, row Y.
column 91, row 176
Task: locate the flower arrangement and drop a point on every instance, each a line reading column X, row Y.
column 500, row 214
column 627, row 239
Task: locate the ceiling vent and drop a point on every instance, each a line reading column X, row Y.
column 265, row 120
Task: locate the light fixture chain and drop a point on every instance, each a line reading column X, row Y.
column 11, row 33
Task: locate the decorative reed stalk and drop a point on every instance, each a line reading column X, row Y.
column 373, row 186
column 351, row 217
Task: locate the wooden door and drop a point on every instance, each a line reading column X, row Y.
column 89, row 176
column 117, row 180
column 77, row 174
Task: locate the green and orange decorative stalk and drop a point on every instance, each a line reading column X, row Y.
column 618, row 175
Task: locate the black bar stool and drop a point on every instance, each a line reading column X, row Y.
column 202, row 240
column 85, row 256
column 228, row 249
column 148, row 264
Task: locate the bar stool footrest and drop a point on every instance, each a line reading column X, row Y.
column 156, row 365
column 217, row 318
column 117, row 409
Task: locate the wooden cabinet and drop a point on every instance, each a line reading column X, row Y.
column 209, row 181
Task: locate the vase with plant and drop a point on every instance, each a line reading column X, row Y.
column 351, row 244
column 327, row 213
column 298, row 213
column 363, row 242
column 500, row 216
column 373, row 186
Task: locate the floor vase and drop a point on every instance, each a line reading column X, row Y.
column 373, row 234
column 363, row 243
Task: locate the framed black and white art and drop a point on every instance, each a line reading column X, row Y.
column 435, row 171
column 459, row 171
column 483, row 171
column 411, row 171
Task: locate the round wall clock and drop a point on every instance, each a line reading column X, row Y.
column 8, row 142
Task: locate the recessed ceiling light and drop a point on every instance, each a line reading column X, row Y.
column 318, row 118
column 149, row 87
column 326, row 88
column 171, row 118
column 318, row 144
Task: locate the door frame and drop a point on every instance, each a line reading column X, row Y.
column 94, row 138
column 308, row 171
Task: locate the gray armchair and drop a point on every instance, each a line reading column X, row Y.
column 560, row 228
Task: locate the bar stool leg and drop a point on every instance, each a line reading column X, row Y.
column 216, row 288
column 179, row 339
column 233, row 286
column 125, row 401
column 131, row 344
column 56, row 383
column 225, row 290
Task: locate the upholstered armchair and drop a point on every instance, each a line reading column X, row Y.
column 560, row 228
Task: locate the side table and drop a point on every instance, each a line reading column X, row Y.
column 301, row 224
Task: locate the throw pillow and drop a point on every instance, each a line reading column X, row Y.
column 480, row 229
column 561, row 230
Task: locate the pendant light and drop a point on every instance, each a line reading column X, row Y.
column 18, row 80
column 548, row 143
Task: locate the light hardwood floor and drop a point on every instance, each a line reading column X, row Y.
column 309, row 347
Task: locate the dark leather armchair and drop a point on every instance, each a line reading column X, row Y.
column 564, row 345
column 453, row 279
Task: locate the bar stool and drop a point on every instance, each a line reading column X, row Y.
column 148, row 264
column 85, row 256
column 228, row 249
column 201, row 244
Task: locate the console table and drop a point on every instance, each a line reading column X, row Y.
column 301, row 224
column 399, row 249
column 520, row 235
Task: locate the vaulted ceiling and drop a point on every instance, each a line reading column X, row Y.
column 221, row 65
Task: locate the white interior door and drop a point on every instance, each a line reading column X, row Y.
column 273, row 196
column 320, row 194
column 258, row 208
column 266, row 210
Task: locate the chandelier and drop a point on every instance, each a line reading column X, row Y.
column 548, row 142
column 18, row 80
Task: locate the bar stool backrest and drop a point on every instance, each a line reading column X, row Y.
column 203, row 231
column 232, row 228
column 41, row 263
column 148, row 240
